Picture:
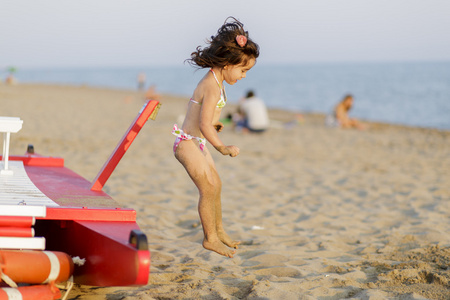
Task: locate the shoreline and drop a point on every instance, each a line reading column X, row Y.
column 276, row 113
column 321, row 212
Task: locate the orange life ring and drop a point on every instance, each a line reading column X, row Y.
column 36, row 267
column 36, row 292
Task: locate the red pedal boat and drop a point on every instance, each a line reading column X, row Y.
column 46, row 206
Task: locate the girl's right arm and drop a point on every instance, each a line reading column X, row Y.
column 228, row 150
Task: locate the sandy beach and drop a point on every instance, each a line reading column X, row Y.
column 322, row 213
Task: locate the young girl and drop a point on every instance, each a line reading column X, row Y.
column 230, row 54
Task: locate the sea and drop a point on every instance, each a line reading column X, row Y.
column 406, row 93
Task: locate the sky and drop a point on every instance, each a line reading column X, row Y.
column 112, row 33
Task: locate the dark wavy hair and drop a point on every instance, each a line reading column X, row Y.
column 223, row 48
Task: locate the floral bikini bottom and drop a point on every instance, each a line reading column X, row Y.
column 181, row 135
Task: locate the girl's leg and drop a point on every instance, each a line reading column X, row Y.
column 199, row 169
column 223, row 236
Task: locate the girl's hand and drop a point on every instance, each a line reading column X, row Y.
column 228, row 150
column 219, row 126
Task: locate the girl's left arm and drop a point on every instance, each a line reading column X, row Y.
column 207, row 127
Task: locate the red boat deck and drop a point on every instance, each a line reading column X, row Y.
column 88, row 224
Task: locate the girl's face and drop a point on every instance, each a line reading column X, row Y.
column 233, row 73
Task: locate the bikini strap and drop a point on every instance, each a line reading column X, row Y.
column 222, row 90
column 215, row 77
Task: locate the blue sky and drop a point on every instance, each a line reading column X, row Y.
column 97, row 33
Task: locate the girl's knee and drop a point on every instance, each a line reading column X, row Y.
column 210, row 190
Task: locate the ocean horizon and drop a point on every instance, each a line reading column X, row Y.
column 405, row 93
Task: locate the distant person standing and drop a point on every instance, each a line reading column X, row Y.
column 10, row 79
column 141, row 80
column 253, row 114
column 340, row 116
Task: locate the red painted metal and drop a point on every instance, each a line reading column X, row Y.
column 67, row 188
column 110, row 259
column 17, row 231
column 37, row 160
column 129, row 136
column 6, row 221
column 143, row 270
column 90, row 214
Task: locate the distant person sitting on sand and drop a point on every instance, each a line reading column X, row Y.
column 340, row 117
column 253, row 114
column 11, row 80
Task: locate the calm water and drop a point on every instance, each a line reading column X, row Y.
column 415, row 94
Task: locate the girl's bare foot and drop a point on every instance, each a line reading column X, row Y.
column 219, row 247
column 227, row 240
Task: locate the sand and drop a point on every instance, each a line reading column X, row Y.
column 322, row 213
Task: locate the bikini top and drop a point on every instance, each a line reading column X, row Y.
column 223, row 96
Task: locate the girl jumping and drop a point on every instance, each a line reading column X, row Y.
column 229, row 55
